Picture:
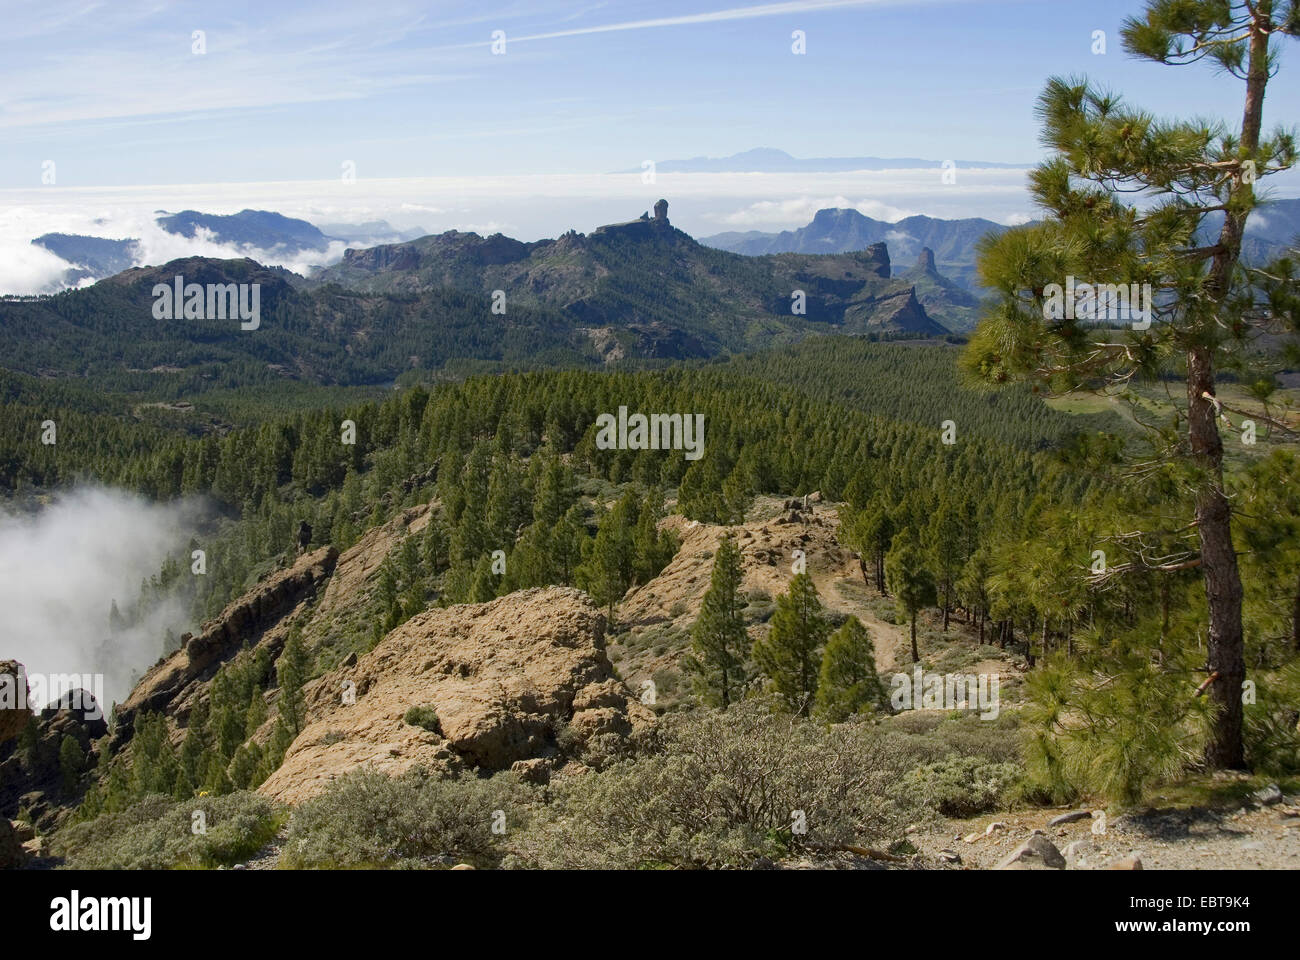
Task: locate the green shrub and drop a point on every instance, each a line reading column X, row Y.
column 426, row 717
column 961, row 786
column 157, row 833
column 366, row 819
column 1272, row 735
column 925, row 737
column 722, row 790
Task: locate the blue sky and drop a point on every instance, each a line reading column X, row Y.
column 288, row 91
column 443, row 134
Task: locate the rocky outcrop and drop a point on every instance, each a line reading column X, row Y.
column 243, row 621
column 12, row 854
column 900, row 311
column 521, row 681
column 14, row 712
column 32, row 779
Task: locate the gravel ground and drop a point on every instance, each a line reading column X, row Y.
column 1252, row 837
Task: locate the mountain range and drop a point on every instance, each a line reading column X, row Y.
column 1272, row 229
column 836, row 230
column 635, row 291
column 646, row 278
column 252, row 231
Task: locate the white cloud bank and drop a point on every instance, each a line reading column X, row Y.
column 62, row 568
column 527, row 207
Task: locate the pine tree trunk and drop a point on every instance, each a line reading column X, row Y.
column 915, row 654
column 981, row 626
column 1295, row 618
column 1226, row 651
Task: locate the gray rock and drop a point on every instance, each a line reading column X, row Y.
column 1070, row 817
column 1268, row 796
column 1035, row 853
column 1078, row 849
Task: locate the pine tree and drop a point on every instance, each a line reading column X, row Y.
column 848, row 682
column 292, row 673
column 719, row 641
column 256, row 713
column 568, row 542
column 605, row 571
column 909, row 580
column 228, row 713
column 484, row 585
column 244, row 766
column 281, row 739
column 653, row 548
column 554, row 494
column 945, row 554
column 788, row 655
column 72, row 762
column 973, row 585
column 198, row 739
column 1207, row 310
column 216, row 782
column 434, row 546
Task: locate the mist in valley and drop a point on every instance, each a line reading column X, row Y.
column 64, row 565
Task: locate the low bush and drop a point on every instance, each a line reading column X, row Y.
column 366, row 819
column 961, row 786
column 726, row 789
column 425, row 717
column 158, row 833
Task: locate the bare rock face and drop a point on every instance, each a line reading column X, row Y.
column 498, row 685
column 14, row 712
column 244, row 620
column 12, row 854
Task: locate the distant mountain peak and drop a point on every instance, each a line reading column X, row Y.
column 771, row 152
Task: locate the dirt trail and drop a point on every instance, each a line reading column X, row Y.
column 768, row 542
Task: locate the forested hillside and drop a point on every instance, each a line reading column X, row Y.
column 622, row 551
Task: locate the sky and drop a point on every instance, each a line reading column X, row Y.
column 270, row 104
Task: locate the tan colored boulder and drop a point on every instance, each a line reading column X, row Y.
column 504, row 679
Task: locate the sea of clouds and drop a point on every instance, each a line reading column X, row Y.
column 527, row 207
